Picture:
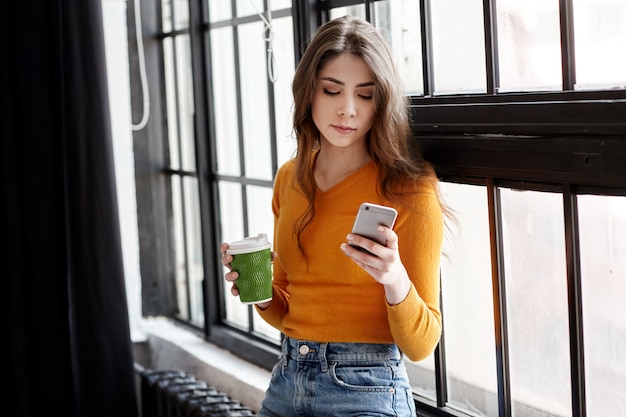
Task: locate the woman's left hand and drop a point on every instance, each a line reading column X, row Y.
column 382, row 262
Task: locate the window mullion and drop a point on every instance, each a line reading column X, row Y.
column 368, row 10
column 574, row 292
column 199, row 39
column 568, row 61
column 271, row 101
column 240, row 129
column 492, row 70
column 499, row 299
column 441, row 372
column 427, row 48
column 179, row 163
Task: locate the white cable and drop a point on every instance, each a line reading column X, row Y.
column 268, row 36
column 142, row 70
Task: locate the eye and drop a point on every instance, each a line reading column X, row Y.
column 330, row 93
column 366, row 93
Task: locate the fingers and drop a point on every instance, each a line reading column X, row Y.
column 224, row 247
column 230, row 276
column 390, row 236
column 234, row 290
column 366, row 245
column 226, row 260
column 378, row 260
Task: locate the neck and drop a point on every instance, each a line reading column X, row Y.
column 331, row 167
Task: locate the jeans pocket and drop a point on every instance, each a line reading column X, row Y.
column 370, row 377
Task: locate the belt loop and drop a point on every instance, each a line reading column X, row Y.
column 285, row 351
column 322, row 356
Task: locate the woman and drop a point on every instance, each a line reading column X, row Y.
column 348, row 316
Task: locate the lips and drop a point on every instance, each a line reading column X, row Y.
column 344, row 130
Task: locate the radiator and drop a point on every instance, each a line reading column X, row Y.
column 175, row 393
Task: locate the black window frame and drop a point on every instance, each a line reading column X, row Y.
column 570, row 141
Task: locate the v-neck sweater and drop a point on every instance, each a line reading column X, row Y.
column 330, row 298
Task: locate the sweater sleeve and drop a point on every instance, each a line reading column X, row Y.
column 275, row 313
column 415, row 323
column 277, row 310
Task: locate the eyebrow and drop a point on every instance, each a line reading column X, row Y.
column 336, row 81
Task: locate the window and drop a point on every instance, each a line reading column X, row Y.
column 251, row 89
column 519, row 104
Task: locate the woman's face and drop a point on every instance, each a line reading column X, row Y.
column 343, row 101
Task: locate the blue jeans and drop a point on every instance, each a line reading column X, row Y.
column 338, row 379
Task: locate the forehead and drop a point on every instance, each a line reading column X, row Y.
column 348, row 68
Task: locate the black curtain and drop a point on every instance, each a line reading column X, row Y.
column 67, row 350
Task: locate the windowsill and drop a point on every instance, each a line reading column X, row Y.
column 163, row 345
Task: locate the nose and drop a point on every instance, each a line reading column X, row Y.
column 348, row 107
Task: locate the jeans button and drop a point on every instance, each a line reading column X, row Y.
column 304, row 349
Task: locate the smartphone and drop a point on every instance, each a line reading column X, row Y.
column 369, row 217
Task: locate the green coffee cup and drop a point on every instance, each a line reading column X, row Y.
column 252, row 259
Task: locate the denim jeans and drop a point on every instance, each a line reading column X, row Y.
column 338, row 379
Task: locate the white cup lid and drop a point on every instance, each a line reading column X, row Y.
column 249, row 244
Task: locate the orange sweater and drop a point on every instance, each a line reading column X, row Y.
column 333, row 300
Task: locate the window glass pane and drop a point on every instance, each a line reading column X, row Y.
column 283, row 98
column 254, row 101
column 280, row 4
column 236, row 312
column 602, row 228
column 529, row 45
column 261, row 327
column 537, row 308
column 260, row 216
column 194, row 249
column 380, row 17
column 398, row 21
column 232, row 229
column 185, row 103
column 405, row 40
column 231, row 212
column 458, row 46
column 261, row 220
column 358, row 11
column 467, row 293
column 422, row 377
column 179, row 248
column 170, row 98
column 225, row 101
column 249, row 7
column 219, row 10
column 166, row 15
column 187, row 249
column 600, row 36
column 181, row 14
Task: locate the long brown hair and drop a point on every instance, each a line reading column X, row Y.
column 390, row 142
